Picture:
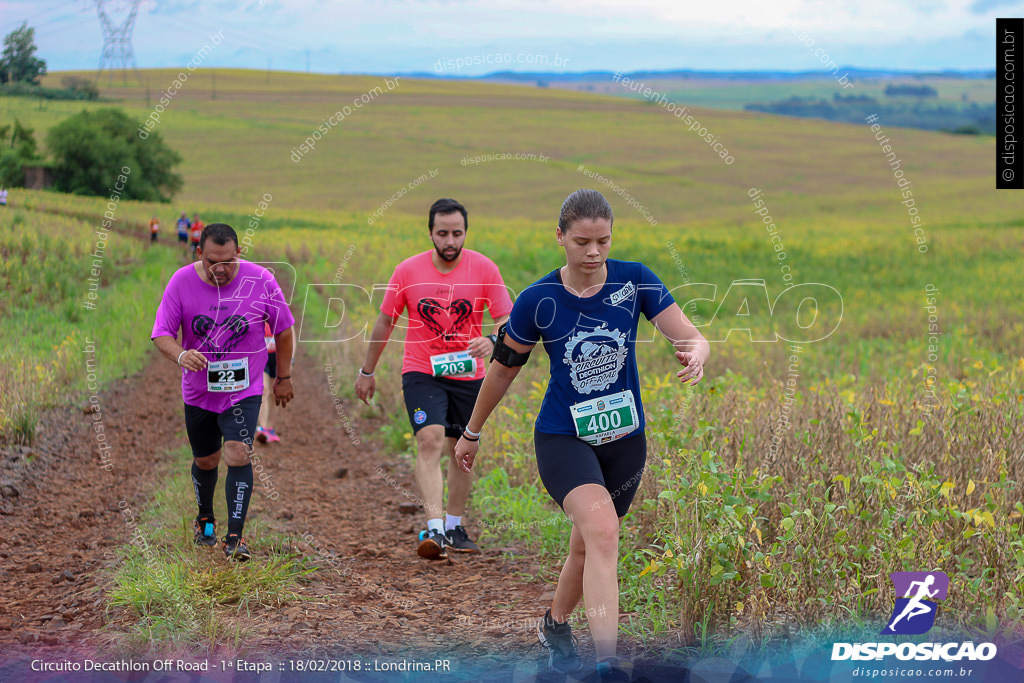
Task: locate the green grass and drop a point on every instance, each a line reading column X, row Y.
column 520, row 515
column 55, row 347
column 235, row 154
column 180, row 597
column 735, row 94
column 730, row 533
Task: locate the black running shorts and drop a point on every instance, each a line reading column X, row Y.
column 565, row 462
column 206, row 429
column 433, row 400
column 271, row 368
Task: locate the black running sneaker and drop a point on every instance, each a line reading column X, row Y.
column 611, row 671
column 459, row 541
column 205, row 531
column 432, row 545
column 236, row 549
column 561, row 643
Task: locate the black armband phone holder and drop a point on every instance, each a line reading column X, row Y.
column 504, row 354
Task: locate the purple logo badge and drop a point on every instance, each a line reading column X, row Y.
column 917, row 592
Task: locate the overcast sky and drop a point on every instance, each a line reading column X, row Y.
column 388, row 36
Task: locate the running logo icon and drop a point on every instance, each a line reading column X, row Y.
column 914, row 612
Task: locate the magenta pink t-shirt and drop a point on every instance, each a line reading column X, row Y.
column 222, row 323
column 445, row 309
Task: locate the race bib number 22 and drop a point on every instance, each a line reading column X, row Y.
column 227, row 375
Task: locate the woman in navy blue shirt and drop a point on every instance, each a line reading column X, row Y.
column 589, row 433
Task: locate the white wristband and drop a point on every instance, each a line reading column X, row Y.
column 471, row 434
column 180, row 355
column 365, row 374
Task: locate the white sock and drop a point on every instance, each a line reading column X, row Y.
column 451, row 521
column 436, row 525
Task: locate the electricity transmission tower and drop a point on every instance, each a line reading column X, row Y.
column 117, row 43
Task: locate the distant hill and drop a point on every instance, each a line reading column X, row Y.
column 692, row 74
column 957, row 101
column 240, row 142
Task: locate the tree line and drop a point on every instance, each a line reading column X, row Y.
column 87, row 150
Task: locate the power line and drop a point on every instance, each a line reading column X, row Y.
column 35, row 18
column 55, row 27
column 117, row 43
column 244, row 35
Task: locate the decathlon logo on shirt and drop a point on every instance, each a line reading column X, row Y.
column 623, row 294
column 595, row 358
column 914, row 614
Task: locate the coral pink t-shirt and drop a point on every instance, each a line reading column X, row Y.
column 445, row 309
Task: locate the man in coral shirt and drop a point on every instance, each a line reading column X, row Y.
column 445, row 291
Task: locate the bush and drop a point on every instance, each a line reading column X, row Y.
column 82, row 86
column 12, row 169
column 23, row 89
column 906, row 90
column 16, row 155
column 91, row 148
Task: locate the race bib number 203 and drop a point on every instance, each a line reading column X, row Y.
column 459, row 364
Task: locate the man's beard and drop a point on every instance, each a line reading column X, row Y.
column 451, row 258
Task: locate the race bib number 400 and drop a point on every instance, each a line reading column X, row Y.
column 459, row 364
column 605, row 418
column 227, row 375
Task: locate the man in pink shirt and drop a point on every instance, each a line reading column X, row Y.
column 220, row 304
column 445, row 291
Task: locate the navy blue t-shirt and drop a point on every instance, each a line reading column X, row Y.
column 590, row 342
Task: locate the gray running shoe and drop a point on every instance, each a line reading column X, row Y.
column 561, row 643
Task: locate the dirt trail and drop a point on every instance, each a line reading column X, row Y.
column 375, row 597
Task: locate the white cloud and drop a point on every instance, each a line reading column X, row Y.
column 408, row 35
